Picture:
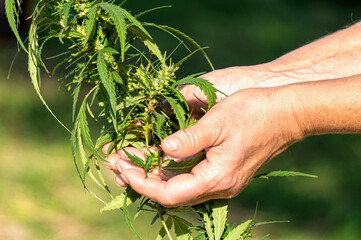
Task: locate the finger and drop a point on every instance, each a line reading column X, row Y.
column 132, row 151
column 181, row 190
column 119, row 181
column 187, row 142
column 106, row 147
column 111, row 160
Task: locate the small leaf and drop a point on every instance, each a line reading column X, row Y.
column 178, row 111
column 183, row 166
column 160, row 119
column 149, row 42
column 285, row 174
column 148, row 161
column 131, row 139
column 219, row 214
column 270, row 222
column 135, row 159
column 85, row 132
column 208, row 226
column 237, row 232
column 205, row 86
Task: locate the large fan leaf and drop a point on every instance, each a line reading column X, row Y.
column 12, row 16
column 90, row 22
column 109, row 87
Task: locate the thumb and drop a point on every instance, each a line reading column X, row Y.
column 189, row 141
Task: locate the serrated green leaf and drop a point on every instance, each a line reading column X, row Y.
column 208, row 226
column 135, row 159
column 270, row 222
column 148, row 161
column 285, row 174
column 12, row 16
column 118, row 201
column 219, row 215
column 237, row 232
column 129, row 193
column 33, row 67
column 178, row 111
column 159, row 119
column 65, row 18
column 109, row 50
column 162, row 232
column 149, row 42
column 85, row 132
column 109, row 87
column 205, row 86
column 181, row 228
column 90, row 22
column 131, row 139
column 84, row 159
column 75, row 99
column 116, row 13
column 183, row 166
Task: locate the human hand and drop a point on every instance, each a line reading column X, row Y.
column 240, row 135
column 232, row 79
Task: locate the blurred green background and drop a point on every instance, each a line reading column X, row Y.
column 41, row 196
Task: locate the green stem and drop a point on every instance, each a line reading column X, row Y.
column 164, row 225
column 166, row 229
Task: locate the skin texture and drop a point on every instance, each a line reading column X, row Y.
column 313, row 90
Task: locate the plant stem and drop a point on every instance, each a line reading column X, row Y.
column 164, row 225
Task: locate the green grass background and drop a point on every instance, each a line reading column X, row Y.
column 41, row 196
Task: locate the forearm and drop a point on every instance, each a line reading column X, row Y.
column 330, row 106
column 335, row 56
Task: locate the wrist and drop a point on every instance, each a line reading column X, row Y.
column 328, row 106
column 273, row 74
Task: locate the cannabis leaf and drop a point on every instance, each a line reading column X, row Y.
column 109, row 86
column 118, row 201
column 181, row 227
column 285, row 174
column 205, row 86
column 13, row 18
column 219, row 215
column 183, row 166
column 237, row 232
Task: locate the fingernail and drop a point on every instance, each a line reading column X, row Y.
column 172, row 143
column 119, row 169
column 124, row 179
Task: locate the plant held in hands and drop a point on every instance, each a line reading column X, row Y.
column 113, row 62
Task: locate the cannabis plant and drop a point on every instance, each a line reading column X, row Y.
column 118, row 76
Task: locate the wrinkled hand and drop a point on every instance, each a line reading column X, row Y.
column 230, row 80
column 240, row 135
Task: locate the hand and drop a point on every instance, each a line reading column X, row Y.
column 233, row 79
column 240, row 135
